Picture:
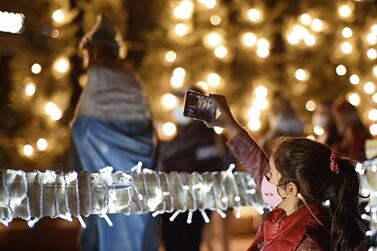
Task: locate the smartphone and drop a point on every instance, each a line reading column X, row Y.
column 199, row 106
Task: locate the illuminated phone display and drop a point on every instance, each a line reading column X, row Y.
column 199, row 106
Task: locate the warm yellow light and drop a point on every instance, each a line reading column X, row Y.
column 346, row 47
column 215, row 19
column 55, row 33
column 372, row 38
column 374, row 70
column 53, row 111
column 249, row 39
column 11, row 22
column 61, row 65
column 58, row 16
column 345, row 10
column 374, row 97
column 177, row 78
column 373, row 129
column 260, row 103
column 221, row 51
column 311, row 137
column 83, row 79
column 369, row 87
column 170, row 56
column 181, row 29
column 184, row 10
column 169, row 101
column 263, row 52
column 213, row 39
column 300, row 31
column 254, row 15
column 218, row 130
column 310, row 105
column 263, row 48
column 310, row 40
column 30, row 89
column 354, row 79
column 176, row 82
column 263, row 43
column 169, row 129
column 374, row 29
column 254, row 125
column 341, row 70
column 203, row 85
column 253, row 113
column 36, row 68
column 213, row 79
column 302, row 75
column 261, row 91
column 305, row 18
column 209, row 4
column 372, row 53
column 372, row 114
column 354, row 99
column 317, row 25
column 347, row 32
column 318, row 130
column 28, row 150
column 179, row 72
column 293, row 38
column 42, row 144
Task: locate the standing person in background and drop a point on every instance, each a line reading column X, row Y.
column 113, row 127
column 283, row 121
column 195, row 148
column 324, row 120
column 352, row 130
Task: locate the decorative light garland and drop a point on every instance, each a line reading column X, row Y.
column 33, row 195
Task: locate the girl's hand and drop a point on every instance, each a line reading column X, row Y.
column 225, row 119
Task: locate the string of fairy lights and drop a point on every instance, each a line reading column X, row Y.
column 34, row 195
column 306, row 31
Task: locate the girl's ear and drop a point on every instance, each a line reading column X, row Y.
column 291, row 189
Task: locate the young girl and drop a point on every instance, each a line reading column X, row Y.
column 299, row 177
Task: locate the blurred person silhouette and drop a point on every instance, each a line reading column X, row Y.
column 324, row 120
column 218, row 229
column 113, row 127
column 195, row 148
column 354, row 133
column 283, row 121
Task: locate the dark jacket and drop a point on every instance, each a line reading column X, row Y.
column 196, row 148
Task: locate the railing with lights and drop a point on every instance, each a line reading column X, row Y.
column 34, row 195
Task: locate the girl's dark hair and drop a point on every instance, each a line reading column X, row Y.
column 307, row 163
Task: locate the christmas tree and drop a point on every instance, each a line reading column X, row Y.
column 309, row 51
column 36, row 133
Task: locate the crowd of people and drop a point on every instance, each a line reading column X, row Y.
column 113, row 126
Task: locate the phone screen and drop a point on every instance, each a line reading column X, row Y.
column 199, row 106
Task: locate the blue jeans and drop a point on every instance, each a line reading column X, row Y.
column 97, row 144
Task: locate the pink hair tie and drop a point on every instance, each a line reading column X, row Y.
column 334, row 167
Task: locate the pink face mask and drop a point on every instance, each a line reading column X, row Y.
column 270, row 193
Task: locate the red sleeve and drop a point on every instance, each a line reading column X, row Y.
column 308, row 244
column 250, row 155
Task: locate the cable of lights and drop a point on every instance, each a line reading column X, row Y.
column 34, row 195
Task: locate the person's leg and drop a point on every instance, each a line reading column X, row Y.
column 193, row 231
column 129, row 232
column 170, row 233
column 89, row 235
